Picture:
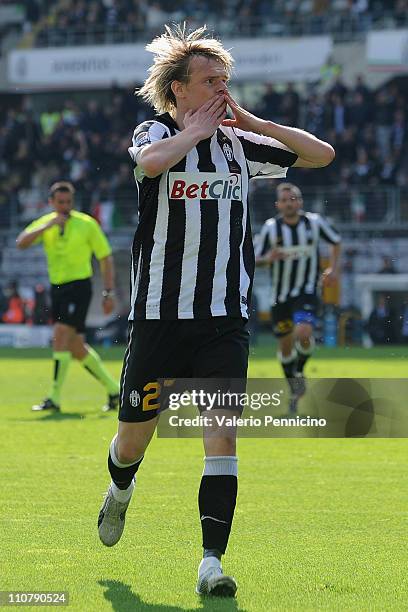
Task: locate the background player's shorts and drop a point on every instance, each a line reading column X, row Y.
column 214, row 348
column 286, row 315
column 70, row 303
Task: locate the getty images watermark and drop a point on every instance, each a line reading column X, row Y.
column 256, row 410
column 224, row 399
column 230, row 400
column 261, row 408
column 234, row 421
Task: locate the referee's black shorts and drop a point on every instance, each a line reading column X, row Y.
column 70, row 303
column 214, row 348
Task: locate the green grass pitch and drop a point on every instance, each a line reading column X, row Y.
column 320, row 524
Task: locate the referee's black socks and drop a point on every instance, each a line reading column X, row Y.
column 122, row 474
column 216, row 501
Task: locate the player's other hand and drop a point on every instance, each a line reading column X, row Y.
column 108, row 305
column 329, row 277
column 243, row 119
column 208, row 117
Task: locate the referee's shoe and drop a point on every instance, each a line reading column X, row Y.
column 112, row 403
column 46, row 404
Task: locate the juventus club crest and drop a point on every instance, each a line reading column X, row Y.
column 228, row 151
column 134, row 398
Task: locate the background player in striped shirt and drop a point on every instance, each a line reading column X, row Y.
column 289, row 244
column 192, row 266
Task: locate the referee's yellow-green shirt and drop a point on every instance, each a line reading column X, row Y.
column 69, row 255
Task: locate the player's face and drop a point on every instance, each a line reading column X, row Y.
column 208, row 78
column 62, row 202
column 289, row 204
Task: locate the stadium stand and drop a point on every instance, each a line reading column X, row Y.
column 85, row 141
column 65, row 22
column 83, row 136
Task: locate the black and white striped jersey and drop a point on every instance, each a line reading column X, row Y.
column 299, row 271
column 192, row 254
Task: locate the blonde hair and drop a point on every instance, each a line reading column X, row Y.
column 288, row 187
column 173, row 52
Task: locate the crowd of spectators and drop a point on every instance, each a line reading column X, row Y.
column 30, row 306
column 60, row 22
column 17, row 17
column 388, row 321
column 87, row 143
column 369, row 133
column 84, row 143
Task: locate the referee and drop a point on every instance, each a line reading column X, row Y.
column 69, row 239
column 289, row 244
column 192, row 269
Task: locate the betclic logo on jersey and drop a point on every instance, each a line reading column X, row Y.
column 205, row 186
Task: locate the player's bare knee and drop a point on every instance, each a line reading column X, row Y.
column 229, row 446
column 286, row 345
column 303, row 333
column 128, row 451
column 133, row 439
column 220, row 446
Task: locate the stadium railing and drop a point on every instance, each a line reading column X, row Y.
column 342, row 26
column 350, row 207
column 382, row 208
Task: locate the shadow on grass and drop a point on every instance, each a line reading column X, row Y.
column 123, row 599
column 56, row 416
column 63, row 416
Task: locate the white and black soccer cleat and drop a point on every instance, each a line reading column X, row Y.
column 212, row 581
column 112, row 403
column 111, row 520
column 46, row 405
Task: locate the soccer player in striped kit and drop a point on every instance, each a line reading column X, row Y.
column 192, row 266
column 289, row 244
